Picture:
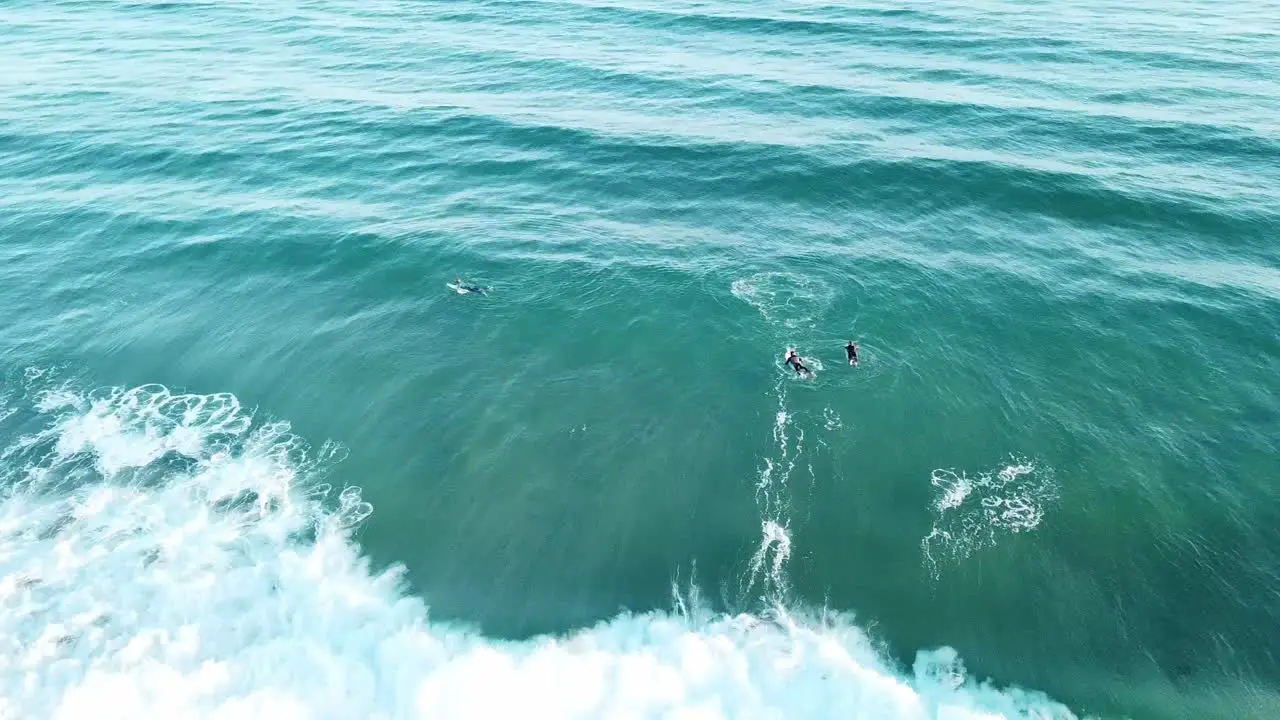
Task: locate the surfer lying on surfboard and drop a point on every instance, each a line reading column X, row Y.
column 469, row 288
column 852, row 350
column 794, row 360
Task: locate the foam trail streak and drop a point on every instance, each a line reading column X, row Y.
column 768, row 564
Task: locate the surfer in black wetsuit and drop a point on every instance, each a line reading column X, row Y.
column 852, row 350
column 794, row 360
column 472, row 288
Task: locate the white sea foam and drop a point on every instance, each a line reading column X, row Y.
column 767, row 567
column 790, row 300
column 974, row 512
column 168, row 556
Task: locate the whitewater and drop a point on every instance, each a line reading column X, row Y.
column 176, row 555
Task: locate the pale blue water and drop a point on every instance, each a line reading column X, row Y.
column 238, row 391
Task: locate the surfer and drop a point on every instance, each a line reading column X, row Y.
column 852, row 350
column 794, row 360
column 470, row 288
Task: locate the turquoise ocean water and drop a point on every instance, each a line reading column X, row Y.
column 257, row 460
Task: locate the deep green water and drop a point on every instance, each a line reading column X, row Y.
column 1052, row 227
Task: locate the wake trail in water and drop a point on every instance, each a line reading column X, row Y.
column 768, row 564
column 789, row 304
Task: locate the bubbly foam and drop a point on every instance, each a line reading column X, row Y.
column 791, row 300
column 975, row 512
column 169, row 555
column 768, row 566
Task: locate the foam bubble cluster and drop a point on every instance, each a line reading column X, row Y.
column 974, row 512
column 786, row 299
column 168, row 555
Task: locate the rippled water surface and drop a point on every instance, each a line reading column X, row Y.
column 260, row 460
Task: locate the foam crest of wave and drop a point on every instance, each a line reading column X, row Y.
column 167, row 555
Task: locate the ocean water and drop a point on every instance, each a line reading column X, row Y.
column 257, row 460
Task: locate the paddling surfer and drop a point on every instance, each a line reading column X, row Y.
column 794, row 360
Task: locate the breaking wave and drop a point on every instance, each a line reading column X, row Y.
column 175, row 555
